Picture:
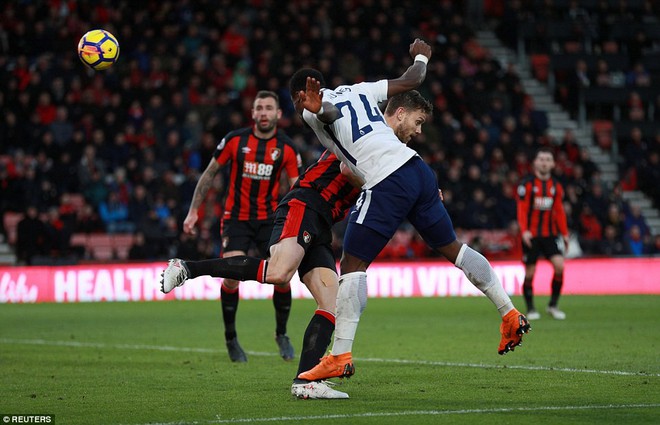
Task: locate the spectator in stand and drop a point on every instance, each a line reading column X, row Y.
column 578, row 80
column 598, row 201
column 612, row 244
column 635, row 149
column 114, row 214
column 635, row 242
column 591, row 231
column 139, row 249
column 32, row 237
column 638, row 76
column 614, row 217
column 649, row 176
column 633, row 217
column 59, row 236
column 88, row 221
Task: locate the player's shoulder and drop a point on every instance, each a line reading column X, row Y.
column 523, row 185
column 238, row 133
column 527, row 180
column 231, row 136
column 284, row 138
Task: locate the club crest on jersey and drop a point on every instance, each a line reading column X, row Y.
column 307, row 237
column 275, row 153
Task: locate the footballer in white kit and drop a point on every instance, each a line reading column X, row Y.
column 396, row 185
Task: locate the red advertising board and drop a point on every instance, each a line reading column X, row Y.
column 140, row 282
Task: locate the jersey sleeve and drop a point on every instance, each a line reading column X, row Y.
column 377, row 90
column 292, row 162
column 559, row 212
column 522, row 201
column 224, row 152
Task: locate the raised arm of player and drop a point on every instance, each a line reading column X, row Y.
column 415, row 74
column 201, row 189
column 312, row 100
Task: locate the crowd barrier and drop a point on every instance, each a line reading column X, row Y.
column 141, row 282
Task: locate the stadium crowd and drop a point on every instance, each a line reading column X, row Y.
column 132, row 140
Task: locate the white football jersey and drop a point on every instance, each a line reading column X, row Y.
column 360, row 137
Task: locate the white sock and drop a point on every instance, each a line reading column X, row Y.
column 351, row 301
column 479, row 271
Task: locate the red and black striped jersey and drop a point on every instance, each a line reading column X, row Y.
column 254, row 175
column 540, row 207
column 337, row 194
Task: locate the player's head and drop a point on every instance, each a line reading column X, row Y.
column 406, row 112
column 298, row 83
column 544, row 162
column 266, row 111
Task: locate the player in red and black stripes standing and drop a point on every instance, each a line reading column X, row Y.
column 257, row 156
column 542, row 219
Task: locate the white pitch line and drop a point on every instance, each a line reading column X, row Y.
column 415, row 413
column 78, row 344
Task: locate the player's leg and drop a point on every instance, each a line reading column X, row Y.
column 528, row 291
column 237, row 238
column 281, row 293
column 432, row 221
column 557, row 260
column 530, row 257
column 318, row 273
column 229, row 297
column 322, row 283
column 351, row 301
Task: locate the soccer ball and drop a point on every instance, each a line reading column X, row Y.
column 98, row 49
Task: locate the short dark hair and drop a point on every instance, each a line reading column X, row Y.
column 544, row 149
column 411, row 100
column 265, row 94
column 298, row 81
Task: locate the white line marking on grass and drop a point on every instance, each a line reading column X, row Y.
column 10, row 341
column 416, row 413
column 486, row 366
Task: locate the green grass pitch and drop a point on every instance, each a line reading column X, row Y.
column 418, row 361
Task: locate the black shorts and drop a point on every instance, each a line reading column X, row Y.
column 313, row 233
column 239, row 235
column 546, row 246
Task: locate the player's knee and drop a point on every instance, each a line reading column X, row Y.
column 350, row 264
column 279, row 276
column 230, row 283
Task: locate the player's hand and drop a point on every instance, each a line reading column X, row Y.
column 189, row 224
column 527, row 238
column 420, row 47
column 312, row 97
column 514, row 325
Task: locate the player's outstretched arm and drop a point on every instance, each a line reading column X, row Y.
column 415, row 74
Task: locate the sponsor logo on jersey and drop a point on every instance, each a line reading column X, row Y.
column 257, row 171
column 543, row 203
column 246, row 149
